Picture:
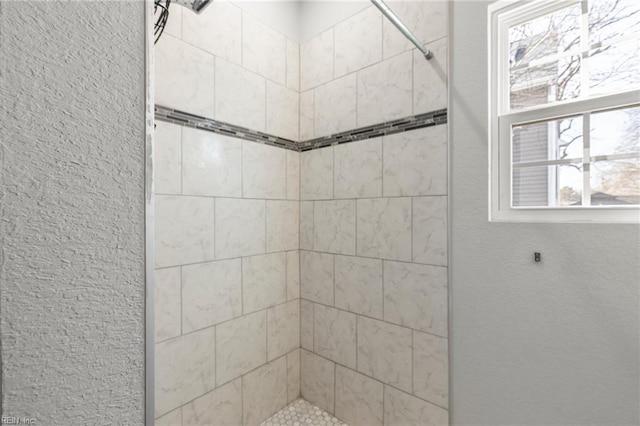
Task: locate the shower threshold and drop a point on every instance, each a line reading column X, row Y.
column 302, row 413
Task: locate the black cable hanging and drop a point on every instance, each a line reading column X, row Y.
column 160, row 14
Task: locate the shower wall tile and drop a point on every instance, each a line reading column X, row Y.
column 306, row 225
column 293, row 65
column 264, row 391
column 358, row 169
column 173, row 26
column 318, row 381
column 335, row 335
column 415, row 163
column 358, row 41
column 211, row 293
column 173, row 418
column 282, row 111
column 211, row 164
column 283, row 329
column 184, row 230
column 316, row 277
column 430, row 78
column 167, row 164
column 293, row 275
column 184, row 77
column 240, row 96
column 403, row 409
column 416, row 296
column 293, row 375
column 240, row 227
column 293, row 175
column 307, row 113
column 385, row 90
column 335, row 106
column 430, row 230
column 335, row 226
column 263, row 171
column 430, row 368
column 384, row 228
column 358, row 285
column 282, row 225
column 222, row 406
column 185, row 369
column 217, row 30
column 359, row 399
column 167, row 303
column 264, row 281
column 306, row 324
column 316, row 60
column 264, row 50
column 384, row 352
column 241, row 346
column 316, row 174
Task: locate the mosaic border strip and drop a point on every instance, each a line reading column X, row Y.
column 419, row 121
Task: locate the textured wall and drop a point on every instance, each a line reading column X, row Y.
column 554, row 343
column 72, row 266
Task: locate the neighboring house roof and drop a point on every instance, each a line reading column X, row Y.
column 603, row 199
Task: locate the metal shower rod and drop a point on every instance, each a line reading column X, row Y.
column 380, row 4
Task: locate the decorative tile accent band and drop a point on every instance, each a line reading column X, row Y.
column 181, row 118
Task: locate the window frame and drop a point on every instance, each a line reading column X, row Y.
column 502, row 15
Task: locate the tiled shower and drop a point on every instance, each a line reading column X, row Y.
column 301, row 218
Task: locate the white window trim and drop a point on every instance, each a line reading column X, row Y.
column 510, row 12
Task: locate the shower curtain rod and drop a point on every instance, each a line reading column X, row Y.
column 380, row 4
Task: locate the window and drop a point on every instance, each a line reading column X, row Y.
column 565, row 111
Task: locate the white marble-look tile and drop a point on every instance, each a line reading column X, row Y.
column 426, row 19
column 384, row 228
column 264, row 50
column 173, row 26
column 283, row 329
column 316, row 60
column 385, row 90
column 293, row 375
column 282, row 111
column 184, row 77
column 240, row 96
column 173, row 418
column 293, row 65
column 430, row 230
column 264, row 391
column 334, row 226
column 241, row 346
column 316, row 174
column 211, row 293
column 403, row 409
column 167, row 161
column 359, row 399
column 293, row 275
column 184, row 230
column 211, row 164
column 335, row 335
column 317, row 380
column 306, row 225
column 416, row 296
column 307, row 113
column 282, row 225
column 430, row 78
column 358, row 41
column 384, row 352
column 240, row 227
column 358, row 169
column 264, row 172
column 306, row 324
column 264, row 281
column 359, row 285
column 220, row 407
column 415, row 162
column 185, row 369
column 335, row 106
column 293, row 175
column 430, row 368
column 316, row 277
column 218, row 30
column 167, row 303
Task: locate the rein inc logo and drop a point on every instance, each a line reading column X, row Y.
column 9, row 420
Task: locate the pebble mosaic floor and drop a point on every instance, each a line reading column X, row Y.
column 302, row 413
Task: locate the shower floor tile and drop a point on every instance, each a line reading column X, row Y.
column 302, row 413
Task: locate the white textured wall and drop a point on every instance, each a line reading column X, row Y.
column 554, row 343
column 72, row 228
